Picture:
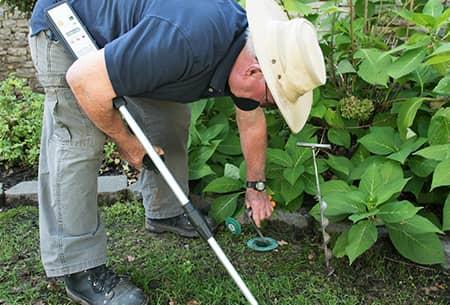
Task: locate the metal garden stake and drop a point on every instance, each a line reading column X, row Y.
column 323, row 205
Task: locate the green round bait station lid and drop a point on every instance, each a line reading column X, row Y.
column 233, row 225
column 260, row 244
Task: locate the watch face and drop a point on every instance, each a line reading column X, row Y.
column 260, row 186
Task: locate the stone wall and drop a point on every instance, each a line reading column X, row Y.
column 14, row 52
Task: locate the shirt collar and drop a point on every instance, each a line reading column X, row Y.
column 219, row 79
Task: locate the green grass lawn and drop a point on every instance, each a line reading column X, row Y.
column 177, row 271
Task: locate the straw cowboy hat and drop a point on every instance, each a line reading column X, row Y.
column 290, row 57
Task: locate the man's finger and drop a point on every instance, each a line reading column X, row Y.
column 257, row 221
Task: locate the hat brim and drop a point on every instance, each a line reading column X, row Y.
column 259, row 14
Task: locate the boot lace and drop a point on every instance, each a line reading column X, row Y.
column 103, row 280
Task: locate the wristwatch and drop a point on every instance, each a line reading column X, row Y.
column 259, row 185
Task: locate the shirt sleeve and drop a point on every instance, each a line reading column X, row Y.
column 151, row 54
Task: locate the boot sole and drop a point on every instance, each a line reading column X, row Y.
column 79, row 300
column 168, row 229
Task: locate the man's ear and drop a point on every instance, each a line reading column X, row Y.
column 253, row 70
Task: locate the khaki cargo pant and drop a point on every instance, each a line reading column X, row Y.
column 72, row 236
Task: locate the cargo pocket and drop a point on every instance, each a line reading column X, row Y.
column 72, row 126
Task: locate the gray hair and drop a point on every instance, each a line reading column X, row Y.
column 249, row 46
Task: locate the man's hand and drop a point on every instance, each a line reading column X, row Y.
column 133, row 152
column 260, row 204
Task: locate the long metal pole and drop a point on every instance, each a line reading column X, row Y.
column 183, row 199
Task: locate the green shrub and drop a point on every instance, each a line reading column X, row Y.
column 20, row 122
column 385, row 111
column 25, row 6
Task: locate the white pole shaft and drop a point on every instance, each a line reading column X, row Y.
column 182, row 198
column 313, row 145
column 233, row 273
column 160, row 165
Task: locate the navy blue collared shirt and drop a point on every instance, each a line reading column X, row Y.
column 179, row 50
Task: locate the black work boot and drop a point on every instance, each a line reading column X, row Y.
column 178, row 224
column 101, row 286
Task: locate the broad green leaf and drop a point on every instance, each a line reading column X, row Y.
column 243, row 170
column 334, row 119
column 329, row 8
column 381, row 140
column 290, row 192
column 292, row 174
column 446, row 215
column 417, row 225
column 385, row 193
column 407, row 148
column 359, row 170
column 411, row 45
column 374, row 66
column 334, row 186
column 421, row 167
column 203, row 153
column 420, row 248
column 443, row 87
column 345, row 203
column 406, row 115
column 397, row 211
column 417, row 18
column 357, row 217
column 382, row 181
column 339, row 137
column 297, row 7
column 407, row 63
column 360, row 155
column 435, row 152
column 443, row 19
column 231, row 171
column 212, row 132
column 361, row 237
column 310, row 183
column 201, row 171
column 300, row 156
column 318, row 111
column 223, row 185
column 340, row 245
column 439, row 129
column 340, row 164
column 441, row 175
column 196, row 110
column 230, row 145
column 224, row 105
column 388, row 170
column 321, row 167
column 444, row 48
column 438, row 59
column 223, row 207
column 279, row 157
column 345, row 66
column 433, row 8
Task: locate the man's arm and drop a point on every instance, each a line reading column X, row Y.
column 89, row 81
column 253, row 135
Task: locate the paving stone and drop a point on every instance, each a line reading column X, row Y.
column 22, row 193
column 110, row 189
column 299, row 221
column 446, row 243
